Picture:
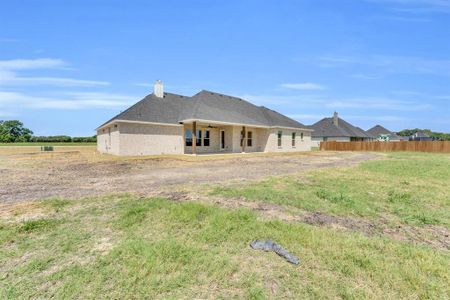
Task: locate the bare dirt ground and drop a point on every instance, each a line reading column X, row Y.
column 81, row 172
column 78, row 173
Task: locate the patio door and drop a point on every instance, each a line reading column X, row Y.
column 222, row 139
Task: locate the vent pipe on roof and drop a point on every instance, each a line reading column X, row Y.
column 335, row 119
column 158, row 89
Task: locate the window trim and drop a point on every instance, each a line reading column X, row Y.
column 249, row 139
column 222, row 139
column 186, row 138
column 280, row 139
column 198, row 142
column 205, row 138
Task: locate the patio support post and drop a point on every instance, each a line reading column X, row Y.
column 194, row 137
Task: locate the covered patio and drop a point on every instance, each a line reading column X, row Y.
column 203, row 137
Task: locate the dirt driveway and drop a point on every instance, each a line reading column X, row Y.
column 79, row 173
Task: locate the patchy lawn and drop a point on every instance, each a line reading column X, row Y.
column 129, row 247
column 404, row 188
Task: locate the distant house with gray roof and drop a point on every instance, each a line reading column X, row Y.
column 337, row 129
column 383, row 134
column 420, row 136
column 208, row 122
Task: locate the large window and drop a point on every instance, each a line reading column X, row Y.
column 199, row 138
column 188, row 137
column 293, row 139
column 206, row 139
column 249, row 139
column 280, row 134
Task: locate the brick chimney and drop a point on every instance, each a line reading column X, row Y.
column 158, row 89
column 336, row 119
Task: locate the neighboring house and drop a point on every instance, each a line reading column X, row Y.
column 420, row 136
column 337, row 129
column 382, row 134
column 165, row 123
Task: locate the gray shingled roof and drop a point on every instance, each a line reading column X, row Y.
column 326, row 127
column 205, row 105
column 378, row 130
column 420, row 134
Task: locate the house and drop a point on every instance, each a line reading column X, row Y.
column 337, row 129
column 208, row 122
column 420, row 136
column 383, row 134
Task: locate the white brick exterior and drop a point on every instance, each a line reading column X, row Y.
column 132, row 139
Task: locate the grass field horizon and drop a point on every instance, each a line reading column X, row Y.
column 38, row 144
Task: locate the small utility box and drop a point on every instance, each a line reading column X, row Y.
column 46, row 148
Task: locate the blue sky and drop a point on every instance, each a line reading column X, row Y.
column 68, row 66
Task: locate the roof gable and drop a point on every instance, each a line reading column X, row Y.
column 378, row 129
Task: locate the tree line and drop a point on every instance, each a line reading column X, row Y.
column 13, row 131
column 439, row 136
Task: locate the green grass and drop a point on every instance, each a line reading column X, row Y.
column 127, row 247
column 404, row 188
column 47, row 144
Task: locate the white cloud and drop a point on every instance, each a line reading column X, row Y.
column 144, row 84
column 383, row 118
column 312, row 118
column 366, row 76
column 417, row 6
column 55, row 81
column 9, row 76
column 303, row 86
column 389, row 64
column 6, row 114
column 8, row 40
column 319, row 101
column 69, row 101
column 27, row 64
column 376, row 103
column 303, row 100
column 308, row 117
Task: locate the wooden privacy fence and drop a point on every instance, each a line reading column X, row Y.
column 421, row 146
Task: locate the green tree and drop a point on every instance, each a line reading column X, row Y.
column 14, row 131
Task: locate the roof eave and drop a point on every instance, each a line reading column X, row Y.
column 242, row 124
column 136, row 122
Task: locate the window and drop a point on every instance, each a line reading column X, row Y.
column 222, row 139
column 293, row 139
column 280, row 134
column 249, row 139
column 206, row 139
column 301, row 136
column 325, row 138
column 188, row 138
column 199, row 138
